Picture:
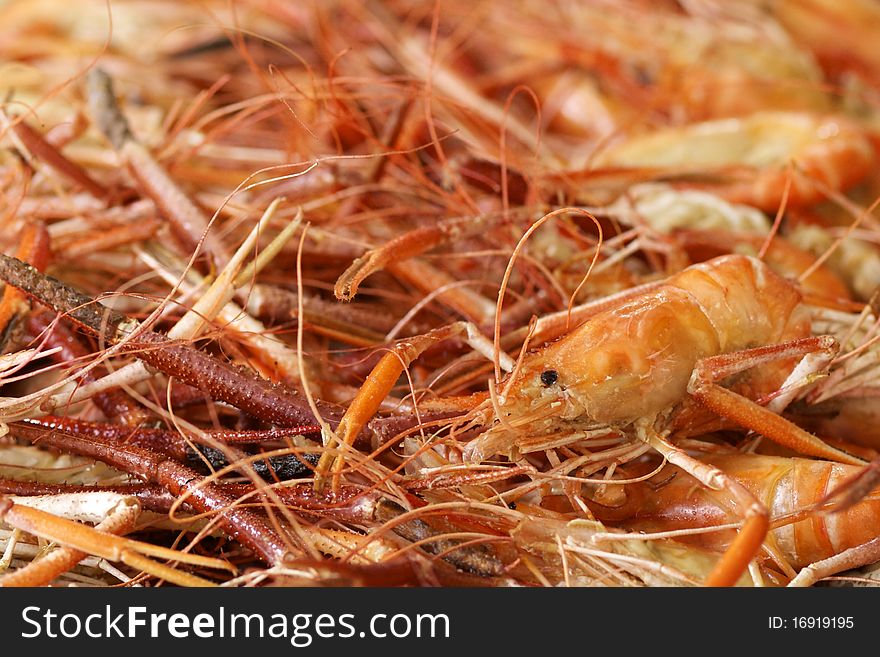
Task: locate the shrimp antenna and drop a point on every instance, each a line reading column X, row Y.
column 509, row 270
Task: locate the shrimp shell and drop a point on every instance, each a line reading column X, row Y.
column 635, row 360
column 829, row 149
column 786, row 486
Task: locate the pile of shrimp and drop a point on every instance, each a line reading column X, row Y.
column 439, row 293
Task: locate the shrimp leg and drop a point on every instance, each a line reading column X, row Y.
column 379, row 383
column 109, row 546
column 854, row 557
column 745, row 546
column 120, row 520
column 750, row 415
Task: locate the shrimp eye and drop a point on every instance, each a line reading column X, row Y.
column 549, row 377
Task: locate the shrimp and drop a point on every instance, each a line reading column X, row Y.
column 756, row 152
column 633, row 369
column 636, row 369
column 691, row 65
column 842, row 35
column 638, row 359
column 705, row 225
column 791, row 488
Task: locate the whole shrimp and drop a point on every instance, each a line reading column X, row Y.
column 644, row 357
column 644, row 368
column 637, row 369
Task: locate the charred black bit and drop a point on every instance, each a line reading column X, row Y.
column 273, row 468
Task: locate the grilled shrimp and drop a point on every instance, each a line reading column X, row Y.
column 638, row 359
column 630, row 370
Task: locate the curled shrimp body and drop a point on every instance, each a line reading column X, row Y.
column 636, row 360
column 757, row 152
column 789, row 487
column 782, row 256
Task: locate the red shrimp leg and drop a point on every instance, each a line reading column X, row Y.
column 750, row 415
column 245, row 525
column 241, row 388
column 48, row 153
